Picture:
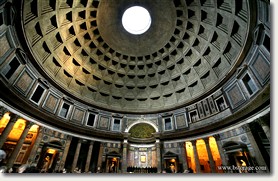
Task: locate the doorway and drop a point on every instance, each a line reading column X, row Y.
column 238, row 157
column 112, row 164
column 171, row 162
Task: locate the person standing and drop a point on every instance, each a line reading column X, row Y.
column 3, row 155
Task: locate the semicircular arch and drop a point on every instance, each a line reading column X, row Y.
column 141, row 121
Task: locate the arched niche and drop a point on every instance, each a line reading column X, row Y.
column 142, row 132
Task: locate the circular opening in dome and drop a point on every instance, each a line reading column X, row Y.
column 136, row 20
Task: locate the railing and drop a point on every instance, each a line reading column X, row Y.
column 142, row 169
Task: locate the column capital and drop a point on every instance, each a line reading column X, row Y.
column 13, row 117
column 157, row 145
column 217, row 137
column 29, row 124
column 182, row 144
column 125, row 145
column 246, row 127
column 125, row 142
column 193, row 142
column 80, row 140
column 3, row 110
column 206, row 140
column 69, row 137
column 261, row 122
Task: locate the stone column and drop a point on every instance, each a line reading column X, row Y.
column 124, row 161
column 76, row 155
column 89, row 156
column 3, row 110
column 19, row 144
column 149, row 157
column 184, row 156
column 136, row 157
column 99, row 163
column 8, row 128
column 211, row 161
column 158, row 155
column 196, row 157
column 220, row 149
column 65, row 152
column 258, row 155
column 265, row 127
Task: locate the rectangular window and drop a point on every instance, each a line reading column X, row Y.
column 116, row 125
column 249, row 84
column 37, row 94
column 168, row 123
column 91, row 120
column 64, row 110
column 1, row 18
column 266, row 42
column 11, row 68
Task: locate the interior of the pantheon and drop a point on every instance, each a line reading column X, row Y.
column 94, row 86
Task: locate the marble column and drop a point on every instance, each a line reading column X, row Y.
column 76, row 155
column 19, row 144
column 184, row 156
column 196, row 157
column 65, row 152
column 265, row 127
column 149, row 157
column 8, row 129
column 220, row 149
column 258, row 155
column 124, row 161
column 99, row 163
column 211, row 161
column 158, row 156
column 89, row 156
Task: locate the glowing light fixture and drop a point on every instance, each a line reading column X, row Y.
column 51, row 151
column 136, row 20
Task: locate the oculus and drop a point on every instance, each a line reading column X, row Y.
column 136, row 20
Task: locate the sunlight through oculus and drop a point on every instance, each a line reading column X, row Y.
column 136, row 20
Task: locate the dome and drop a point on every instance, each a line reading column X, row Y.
column 190, row 48
column 185, row 88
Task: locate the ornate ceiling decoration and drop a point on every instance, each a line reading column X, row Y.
column 190, row 47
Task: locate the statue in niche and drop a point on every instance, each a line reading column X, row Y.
column 46, row 162
column 243, row 166
column 172, row 167
column 112, row 167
